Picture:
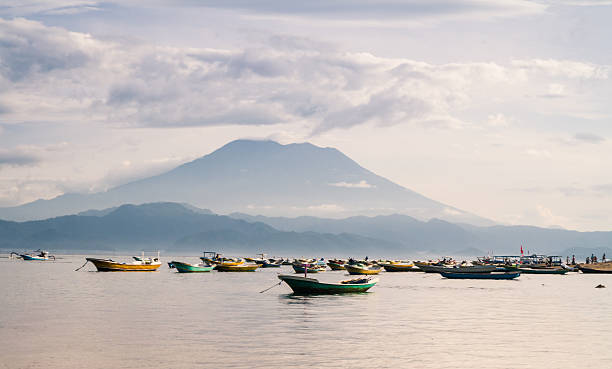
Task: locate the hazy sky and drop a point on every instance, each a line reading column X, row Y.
column 501, row 108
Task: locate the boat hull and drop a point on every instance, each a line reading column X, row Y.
column 302, row 270
column 34, row 258
column 335, row 266
column 510, row 275
column 236, row 268
column 105, row 265
column 311, row 286
column 599, row 268
column 353, row 270
column 189, row 268
column 401, row 268
column 559, row 271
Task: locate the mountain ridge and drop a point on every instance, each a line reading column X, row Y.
column 265, row 177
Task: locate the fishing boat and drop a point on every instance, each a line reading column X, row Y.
column 361, row 269
column 109, row 265
column 192, row 268
column 305, row 285
column 228, row 267
column 461, row 269
column 38, row 255
column 268, row 264
column 396, row 267
column 553, row 270
column 603, row 267
column 303, row 268
column 504, row 275
column 336, row 265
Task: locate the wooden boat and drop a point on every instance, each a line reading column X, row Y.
column 504, row 275
column 335, row 265
column 549, row 270
column 305, row 285
column 603, row 267
column 307, row 268
column 360, row 269
column 192, row 268
column 236, row 268
column 108, row 265
column 395, row 267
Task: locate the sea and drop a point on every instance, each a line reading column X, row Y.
column 52, row 316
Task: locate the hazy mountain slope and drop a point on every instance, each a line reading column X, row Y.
column 171, row 226
column 263, row 177
column 447, row 237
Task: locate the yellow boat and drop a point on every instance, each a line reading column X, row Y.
column 143, row 265
column 236, row 268
column 358, row 269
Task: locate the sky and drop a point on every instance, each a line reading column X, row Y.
column 500, row 108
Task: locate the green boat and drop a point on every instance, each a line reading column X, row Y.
column 543, row 270
column 191, row 268
column 312, row 286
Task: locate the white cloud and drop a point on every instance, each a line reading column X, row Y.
column 51, row 74
column 563, row 68
column 538, row 153
column 360, row 184
column 498, row 120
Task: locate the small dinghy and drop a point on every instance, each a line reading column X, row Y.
column 305, row 285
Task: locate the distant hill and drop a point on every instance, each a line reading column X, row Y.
column 175, row 227
column 262, row 177
column 440, row 237
column 180, row 227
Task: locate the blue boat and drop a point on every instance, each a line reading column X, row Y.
column 507, row 275
column 38, row 255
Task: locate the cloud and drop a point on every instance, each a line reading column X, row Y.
column 17, row 158
column 16, row 8
column 28, row 47
column 538, row 153
column 586, row 137
column 51, row 74
column 498, row 120
column 563, row 68
column 380, row 10
column 360, row 184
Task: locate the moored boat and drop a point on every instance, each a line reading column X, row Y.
column 305, row 285
column 303, row 268
column 236, row 268
column 461, row 269
column 38, row 255
column 192, row 268
column 504, row 275
column 396, row 267
column 552, row 270
column 109, row 265
column 603, row 267
column 360, row 269
column 336, row 265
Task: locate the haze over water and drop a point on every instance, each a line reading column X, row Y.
column 54, row 317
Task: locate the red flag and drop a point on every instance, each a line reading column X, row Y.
column 521, row 250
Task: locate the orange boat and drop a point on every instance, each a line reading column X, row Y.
column 142, row 265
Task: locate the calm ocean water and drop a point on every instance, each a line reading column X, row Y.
column 54, row 317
